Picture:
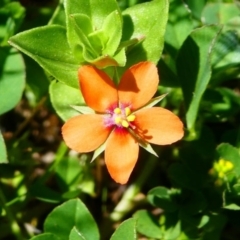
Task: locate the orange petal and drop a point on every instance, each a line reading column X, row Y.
column 138, row 84
column 121, row 155
column 85, row 133
column 158, row 125
column 97, row 88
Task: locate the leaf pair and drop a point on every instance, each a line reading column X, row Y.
column 78, row 224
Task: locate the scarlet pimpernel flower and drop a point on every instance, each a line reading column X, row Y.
column 122, row 118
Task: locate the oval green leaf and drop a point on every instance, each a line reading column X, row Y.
column 12, row 79
column 126, row 230
column 72, row 213
column 147, row 224
column 49, row 47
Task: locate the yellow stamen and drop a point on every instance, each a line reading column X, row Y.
column 125, row 123
column 131, row 118
column 118, row 120
column 127, row 111
column 117, row 110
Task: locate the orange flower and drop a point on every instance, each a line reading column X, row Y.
column 122, row 118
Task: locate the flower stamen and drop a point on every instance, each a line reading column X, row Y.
column 122, row 117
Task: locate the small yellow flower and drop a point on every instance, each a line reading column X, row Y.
column 222, row 167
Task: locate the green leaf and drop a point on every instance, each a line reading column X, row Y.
column 37, row 86
column 161, row 197
column 72, row 213
column 213, row 229
column 126, row 230
column 147, row 20
column 78, row 40
column 11, row 15
column 204, row 221
column 219, row 13
column 12, row 78
column 179, row 25
column 93, row 14
column 45, row 236
column 90, row 45
column 49, row 47
column 69, row 172
column 147, row 224
column 194, row 68
column 44, row 193
column 168, row 75
column 75, row 235
column 196, row 7
column 232, row 206
column 230, row 153
column 192, row 202
column 63, row 97
column 170, row 225
column 183, row 176
column 3, row 151
column 227, row 46
column 112, row 28
column 96, row 10
column 58, row 16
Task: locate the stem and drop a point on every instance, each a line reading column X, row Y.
column 116, row 77
column 127, row 202
column 16, row 230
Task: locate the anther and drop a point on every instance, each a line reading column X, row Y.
column 131, row 118
column 125, row 123
column 117, row 110
column 127, row 111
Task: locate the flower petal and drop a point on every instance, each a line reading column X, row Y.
column 85, row 133
column 121, row 155
column 158, row 125
column 97, row 88
column 138, row 84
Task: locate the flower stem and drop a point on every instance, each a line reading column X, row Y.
column 116, row 77
column 127, row 202
column 16, row 230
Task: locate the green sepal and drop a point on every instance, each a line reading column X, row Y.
column 148, row 147
column 98, row 151
column 83, row 109
column 154, row 101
